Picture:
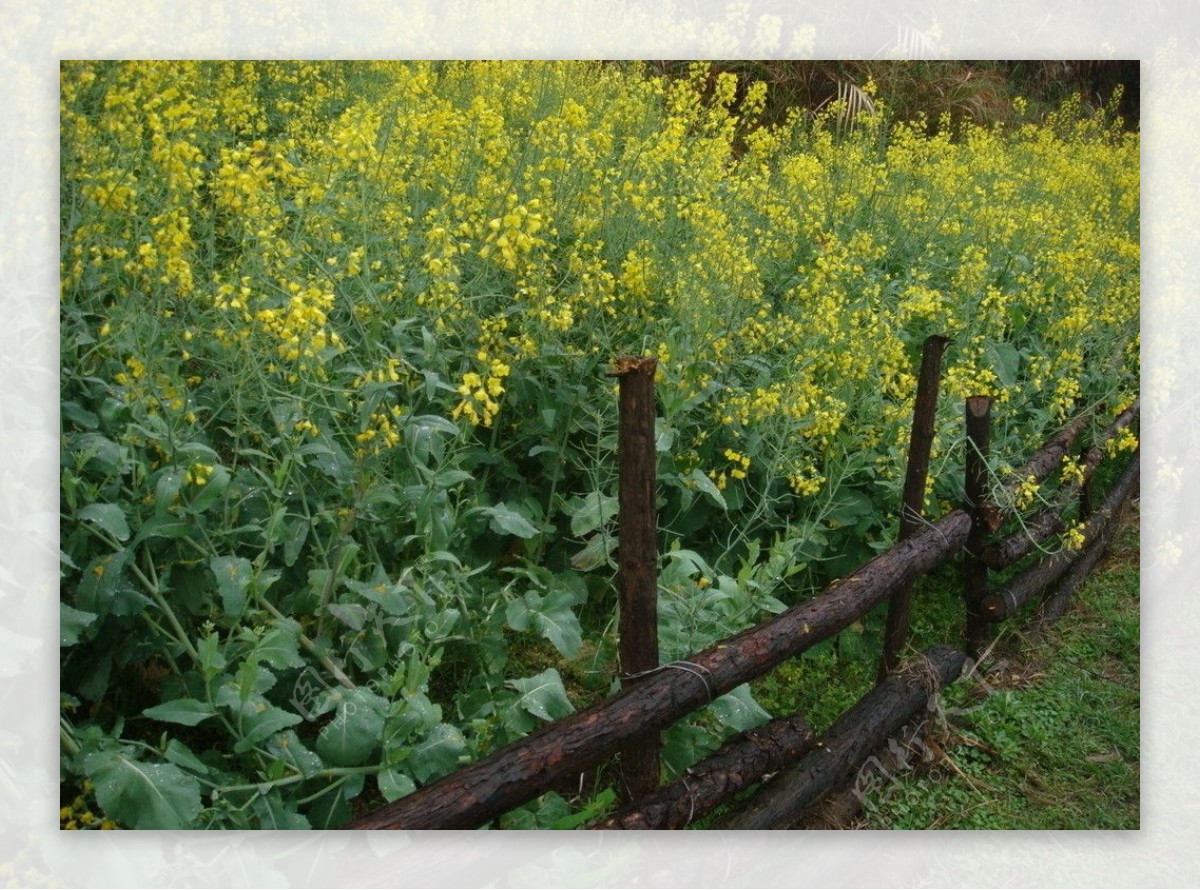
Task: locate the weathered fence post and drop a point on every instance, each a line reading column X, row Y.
column 983, row 520
column 920, row 444
column 637, row 557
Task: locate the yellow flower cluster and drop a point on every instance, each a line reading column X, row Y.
column 740, row 464
column 1026, row 492
column 1071, row 470
column 1124, row 440
column 1074, row 538
column 80, row 815
column 198, row 474
column 567, row 209
column 380, row 432
column 479, row 393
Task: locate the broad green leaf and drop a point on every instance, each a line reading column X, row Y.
column 166, row 488
column 507, row 521
column 164, row 527
column 438, row 754
column 394, row 784
column 352, row 615
column 706, row 485
column 280, row 647
column 551, row 615
column 143, row 795
column 738, row 710
column 278, row 815
column 686, row 743
column 381, row 591
column 98, row 587
column 442, row 625
column 332, row 809
column 543, row 695
column 212, row 659
column 356, row 729
column 597, row 552
column 410, row 715
column 287, row 747
column 247, row 677
column 233, row 575
column 181, row 755
column 266, row 723
column 595, row 510
column 109, row 517
column 71, row 623
column 187, row 711
column 293, row 542
column 1006, row 362
column 105, row 453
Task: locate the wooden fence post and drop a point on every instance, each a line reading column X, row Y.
column 637, row 557
column 912, row 507
column 983, row 521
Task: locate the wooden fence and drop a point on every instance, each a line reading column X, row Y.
column 654, row 696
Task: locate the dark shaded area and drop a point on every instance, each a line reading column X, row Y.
column 980, row 91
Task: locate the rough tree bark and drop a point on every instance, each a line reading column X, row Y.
column 637, row 558
column 737, row 765
column 920, row 444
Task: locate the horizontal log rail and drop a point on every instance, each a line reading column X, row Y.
column 735, row 766
column 1013, row 594
column 1048, row 522
column 859, row 731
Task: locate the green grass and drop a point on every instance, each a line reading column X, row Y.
column 1049, row 737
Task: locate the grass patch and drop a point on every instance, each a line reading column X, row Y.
column 1049, row 737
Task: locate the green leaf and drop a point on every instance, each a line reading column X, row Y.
column 181, row 755
column 356, row 730
column 143, row 795
column 188, row 711
column 280, row 647
column 212, row 659
column 507, row 521
column 233, row 575
column 413, row 713
column 438, row 754
column 71, row 623
column 738, row 710
column 266, row 723
column 708, row 487
column 381, row 591
column 287, row 747
column 332, row 809
column 109, row 517
column 592, row 512
column 543, row 695
column 163, row 527
column 352, row 615
column 278, row 815
column 98, row 587
column 297, row 534
column 100, row 450
column 551, row 615
column 597, row 552
column 1006, row 362
column 394, row 784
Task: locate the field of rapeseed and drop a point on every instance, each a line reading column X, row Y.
column 338, row 449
